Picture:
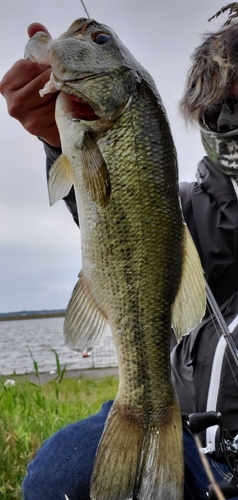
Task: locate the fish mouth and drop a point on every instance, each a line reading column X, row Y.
column 77, row 107
column 80, row 110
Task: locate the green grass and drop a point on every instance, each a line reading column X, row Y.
column 30, row 413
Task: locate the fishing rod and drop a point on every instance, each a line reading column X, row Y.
column 221, row 322
column 198, row 422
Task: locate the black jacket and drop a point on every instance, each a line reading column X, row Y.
column 211, row 213
column 204, row 374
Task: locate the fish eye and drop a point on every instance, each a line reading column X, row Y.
column 101, row 38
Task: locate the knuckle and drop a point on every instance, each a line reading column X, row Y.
column 14, row 107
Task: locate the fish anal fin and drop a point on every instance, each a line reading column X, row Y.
column 189, row 306
column 60, row 179
column 85, row 324
column 95, row 172
column 138, row 460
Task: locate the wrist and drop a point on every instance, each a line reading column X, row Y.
column 54, row 147
column 52, row 140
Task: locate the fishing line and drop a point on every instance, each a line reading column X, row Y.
column 84, row 6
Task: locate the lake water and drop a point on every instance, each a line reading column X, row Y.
column 41, row 336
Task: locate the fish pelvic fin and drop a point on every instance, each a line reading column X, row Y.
column 85, row 324
column 189, row 306
column 134, row 460
column 95, row 172
column 60, row 179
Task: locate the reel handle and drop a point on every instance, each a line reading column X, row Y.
column 198, row 422
column 229, row 490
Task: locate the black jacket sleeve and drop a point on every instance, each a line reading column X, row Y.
column 210, row 211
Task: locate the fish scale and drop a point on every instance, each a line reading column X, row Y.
column 140, row 380
column 138, row 259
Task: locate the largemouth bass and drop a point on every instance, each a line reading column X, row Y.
column 140, row 269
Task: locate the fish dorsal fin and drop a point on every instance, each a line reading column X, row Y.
column 95, row 171
column 85, row 324
column 189, row 306
column 60, row 179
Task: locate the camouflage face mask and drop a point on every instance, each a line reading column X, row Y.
column 219, row 132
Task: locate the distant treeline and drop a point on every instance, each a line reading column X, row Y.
column 12, row 316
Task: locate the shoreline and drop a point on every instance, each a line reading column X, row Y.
column 44, row 377
column 18, row 317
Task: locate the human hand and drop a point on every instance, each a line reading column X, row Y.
column 20, row 87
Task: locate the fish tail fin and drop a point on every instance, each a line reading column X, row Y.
column 116, row 464
column 135, row 460
column 162, row 469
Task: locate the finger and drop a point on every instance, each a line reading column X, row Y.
column 34, row 27
column 34, row 98
column 28, row 100
column 25, row 72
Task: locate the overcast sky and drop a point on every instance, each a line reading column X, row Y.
column 40, row 246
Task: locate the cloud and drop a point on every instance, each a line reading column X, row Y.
column 39, row 252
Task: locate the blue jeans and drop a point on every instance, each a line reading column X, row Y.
column 64, row 464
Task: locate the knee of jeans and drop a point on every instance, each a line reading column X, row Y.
column 39, row 478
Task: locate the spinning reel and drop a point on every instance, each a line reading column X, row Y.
column 198, row 422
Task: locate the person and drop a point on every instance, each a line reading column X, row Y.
column 64, row 463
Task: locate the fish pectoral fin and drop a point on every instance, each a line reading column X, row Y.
column 95, row 172
column 85, row 324
column 135, row 460
column 189, row 306
column 60, row 179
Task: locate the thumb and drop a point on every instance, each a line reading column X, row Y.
column 34, row 27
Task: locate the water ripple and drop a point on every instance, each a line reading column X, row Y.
column 40, row 336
